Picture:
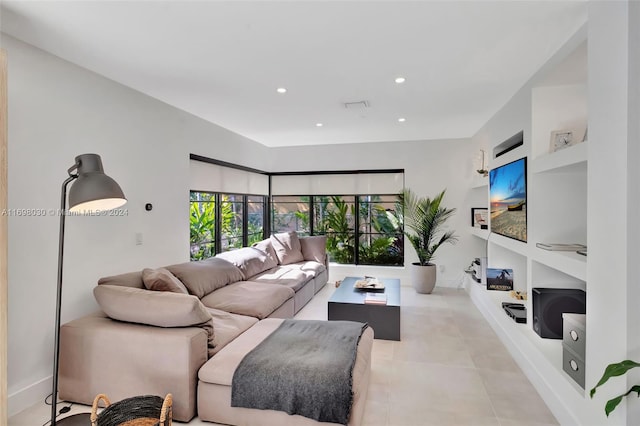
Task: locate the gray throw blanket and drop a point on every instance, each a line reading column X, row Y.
column 303, row 367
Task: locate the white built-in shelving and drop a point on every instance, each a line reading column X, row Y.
column 570, row 159
column 556, row 213
column 567, row 262
column 480, row 233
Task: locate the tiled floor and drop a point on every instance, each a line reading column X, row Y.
column 449, row 369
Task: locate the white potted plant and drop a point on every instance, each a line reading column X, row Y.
column 424, row 220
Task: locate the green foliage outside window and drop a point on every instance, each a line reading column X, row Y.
column 202, row 213
column 202, row 220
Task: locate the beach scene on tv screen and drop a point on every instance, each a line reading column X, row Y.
column 507, row 192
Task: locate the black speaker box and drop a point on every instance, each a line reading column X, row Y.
column 548, row 306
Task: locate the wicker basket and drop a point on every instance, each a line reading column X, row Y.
column 147, row 410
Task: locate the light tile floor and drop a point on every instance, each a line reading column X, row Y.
column 450, row 368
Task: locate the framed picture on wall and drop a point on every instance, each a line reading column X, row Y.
column 480, row 217
column 561, row 139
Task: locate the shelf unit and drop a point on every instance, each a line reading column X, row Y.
column 556, row 213
column 480, row 233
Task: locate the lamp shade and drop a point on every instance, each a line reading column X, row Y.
column 93, row 190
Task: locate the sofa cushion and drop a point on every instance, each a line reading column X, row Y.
column 204, row 276
column 287, row 247
column 160, row 309
column 250, row 298
column 162, row 280
column 310, row 268
column 250, row 260
column 267, row 247
column 314, row 248
column 130, row 279
column 228, row 326
column 283, row 275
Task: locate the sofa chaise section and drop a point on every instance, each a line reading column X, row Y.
column 215, row 379
column 120, row 359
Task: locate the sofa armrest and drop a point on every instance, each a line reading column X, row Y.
column 119, row 359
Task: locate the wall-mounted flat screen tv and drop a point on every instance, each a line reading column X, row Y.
column 508, row 198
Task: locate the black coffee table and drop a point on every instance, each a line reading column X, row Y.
column 347, row 303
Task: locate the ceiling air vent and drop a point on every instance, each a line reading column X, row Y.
column 356, row 105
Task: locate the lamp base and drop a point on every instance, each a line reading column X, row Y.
column 81, row 419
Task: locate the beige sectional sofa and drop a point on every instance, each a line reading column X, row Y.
column 158, row 327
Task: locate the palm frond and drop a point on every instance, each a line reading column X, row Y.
column 424, row 219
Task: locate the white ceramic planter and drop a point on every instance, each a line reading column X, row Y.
column 423, row 278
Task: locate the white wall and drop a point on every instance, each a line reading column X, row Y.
column 633, row 231
column 57, row 111
column 613, row 175
column 430, row 167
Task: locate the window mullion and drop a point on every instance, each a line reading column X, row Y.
column 218, row 224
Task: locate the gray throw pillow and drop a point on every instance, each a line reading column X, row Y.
column 287, row 247
column 204, row 276
column 314, row 248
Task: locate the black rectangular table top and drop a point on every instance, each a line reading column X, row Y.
column 346, row 293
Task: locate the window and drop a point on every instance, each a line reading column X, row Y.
column 334, row 216
column 356, row 210
column 369, row 234
column 290, row 214
column 202, row 225
column 231, row 223
column 255, row 219
column 222, row 222
column 381, row 237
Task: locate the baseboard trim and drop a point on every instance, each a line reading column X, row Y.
column 29, row 395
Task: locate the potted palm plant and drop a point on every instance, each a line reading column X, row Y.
column 424, row 220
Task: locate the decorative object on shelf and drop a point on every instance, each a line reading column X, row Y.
column 479, row 273
column 499, row 279
column 561, row 246
column 481, row 167
column 480, row 217
column 424, row 220
column 518, row 295
column 516, row 311
column 614, row 370
column 561, row 139
column 92, row 192
column 508, row 199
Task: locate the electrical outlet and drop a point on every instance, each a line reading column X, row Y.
column 441, row 268
column 138, row 238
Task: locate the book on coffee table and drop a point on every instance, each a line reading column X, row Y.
column 375, row 298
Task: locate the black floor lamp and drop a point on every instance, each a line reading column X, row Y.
column 93, row 191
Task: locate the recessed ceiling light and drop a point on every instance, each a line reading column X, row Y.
column 281, row 90
column 400, row 80
column 319, row 124
column 402, row 119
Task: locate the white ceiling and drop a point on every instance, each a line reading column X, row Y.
column 223, row 60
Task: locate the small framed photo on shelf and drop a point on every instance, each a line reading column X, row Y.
column 561, row 139
column 499, row 279
column 480, row 217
